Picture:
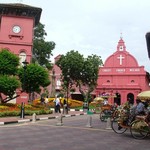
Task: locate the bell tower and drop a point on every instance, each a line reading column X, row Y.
column 16, row 28
column 121, row 45
column 17, row 21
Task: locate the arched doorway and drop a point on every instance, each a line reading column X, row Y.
column 130, row 96
column 117, row 99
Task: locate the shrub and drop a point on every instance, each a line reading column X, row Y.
column 9, row 113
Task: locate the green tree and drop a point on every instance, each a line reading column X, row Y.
column 42, row 50
column 87, row 80
column 8, row 70
column 80, row 71
column 33, row 77
column 71, row 65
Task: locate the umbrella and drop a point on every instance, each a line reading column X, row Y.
column 98, row 99
column 145, row 95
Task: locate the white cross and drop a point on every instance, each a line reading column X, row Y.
column 121, row 58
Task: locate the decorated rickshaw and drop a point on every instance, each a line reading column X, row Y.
column 106, row 109
column 120, row 120
column 139, row 127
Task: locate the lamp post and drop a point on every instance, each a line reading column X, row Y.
column 24, row 79
column 23, row 104
column 68, row 79
column 53, row 92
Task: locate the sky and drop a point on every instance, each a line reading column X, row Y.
column 95, row 26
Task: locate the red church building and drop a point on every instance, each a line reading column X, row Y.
column 16, row 32
column 121, row 77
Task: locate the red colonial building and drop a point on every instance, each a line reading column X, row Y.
column 121, row 77
column 16, row 32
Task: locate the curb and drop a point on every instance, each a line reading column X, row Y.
column 38, row 119
column 69, row 109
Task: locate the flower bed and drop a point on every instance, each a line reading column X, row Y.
column 9, row 109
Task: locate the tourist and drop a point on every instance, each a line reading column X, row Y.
column 57, row 104
column 42, row 100
column 46, row 101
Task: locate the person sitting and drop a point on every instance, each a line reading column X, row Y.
column 105, row 102
column 137, row 110
column 140, row 108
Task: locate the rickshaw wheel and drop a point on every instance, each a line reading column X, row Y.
column 116, row 127
column 104, row 115
column 138, row 130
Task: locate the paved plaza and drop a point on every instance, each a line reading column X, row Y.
column 72, row 134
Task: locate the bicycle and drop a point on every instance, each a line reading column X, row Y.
column 106, row 112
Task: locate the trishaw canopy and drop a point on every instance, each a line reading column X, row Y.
column 98, row 99
column 145, row 95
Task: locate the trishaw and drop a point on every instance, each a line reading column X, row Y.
column 120, row 120
column 106, row 112
column 140, row 127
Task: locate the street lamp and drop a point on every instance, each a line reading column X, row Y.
column 22, row 113
column 24, row 67
column 68, row 78
column 53, row 84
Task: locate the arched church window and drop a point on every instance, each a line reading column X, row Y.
column 132, row 81
column 22, row 57
column 108, row 81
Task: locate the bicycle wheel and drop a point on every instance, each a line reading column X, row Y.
column 102, row 116
column 116, row 127
column 139, row 129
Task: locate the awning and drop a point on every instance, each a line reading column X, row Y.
column 145, row 95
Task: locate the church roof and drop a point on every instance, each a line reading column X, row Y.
column 19, row 9
column 121, row 58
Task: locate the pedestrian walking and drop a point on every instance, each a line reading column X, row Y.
column 57, row 104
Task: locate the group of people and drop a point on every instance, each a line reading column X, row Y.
column 141, row 108
column 44, row 100
column 57, row 104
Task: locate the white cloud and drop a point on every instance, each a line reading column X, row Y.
column 94, row 26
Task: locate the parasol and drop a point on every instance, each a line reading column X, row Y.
column 145, row 95
column 98, row 99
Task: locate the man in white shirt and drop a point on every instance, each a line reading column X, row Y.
column 57, row 104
